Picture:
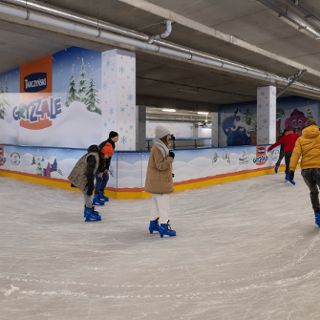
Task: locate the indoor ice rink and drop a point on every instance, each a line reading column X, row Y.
column 244, row 250
column 159, row 159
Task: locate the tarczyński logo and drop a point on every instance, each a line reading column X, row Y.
column 35, row 82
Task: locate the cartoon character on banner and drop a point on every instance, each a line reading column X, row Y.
column 296, row 121
column 235, row 130
column 15, row 158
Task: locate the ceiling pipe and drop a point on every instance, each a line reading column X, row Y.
column 163, row 35
column 293, row 19
column 307, row 14
column 123, row 39
column 65, row 14
column 101, row 25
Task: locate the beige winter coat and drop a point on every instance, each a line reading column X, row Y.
column 159, row 173
column 78, row 175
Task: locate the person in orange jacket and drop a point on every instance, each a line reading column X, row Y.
column 308, row 147
column 288, row 141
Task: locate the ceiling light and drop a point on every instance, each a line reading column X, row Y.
column 168, row 110
column 203, row 113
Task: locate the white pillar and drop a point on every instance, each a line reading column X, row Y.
column 215, row 129
column 266, row 115
column 141, row 128
column 195, row 133
column 118, row 72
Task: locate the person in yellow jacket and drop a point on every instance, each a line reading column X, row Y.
column 308, row 147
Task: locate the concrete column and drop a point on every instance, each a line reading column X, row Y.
column 118, row 72
column 195, row 133
column 141, row 128
column 266, row 115
column 215, row 129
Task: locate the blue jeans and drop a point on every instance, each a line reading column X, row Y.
column 101, row 183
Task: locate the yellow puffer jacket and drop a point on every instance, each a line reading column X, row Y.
column 307, row 146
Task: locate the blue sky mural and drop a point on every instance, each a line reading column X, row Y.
column 10, row 81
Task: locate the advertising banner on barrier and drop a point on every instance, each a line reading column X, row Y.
column 128, row 169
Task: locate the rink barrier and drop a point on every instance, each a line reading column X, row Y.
column 139, row 193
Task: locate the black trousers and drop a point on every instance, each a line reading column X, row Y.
column 281, row 156
column 287, row 157
column 312, row 179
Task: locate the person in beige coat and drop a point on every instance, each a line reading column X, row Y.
column 159, row 182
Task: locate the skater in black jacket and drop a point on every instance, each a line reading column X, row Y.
column 102, row 175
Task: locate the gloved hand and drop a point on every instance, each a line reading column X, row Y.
column 171, row 154
column 105, row 173
column 291, row 175
column 90, row 188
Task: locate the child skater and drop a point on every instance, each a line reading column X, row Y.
column 102, row 175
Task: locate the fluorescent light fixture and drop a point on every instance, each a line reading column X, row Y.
column 168, row 110
column 203, row 112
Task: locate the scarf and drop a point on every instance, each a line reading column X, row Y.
column 162, row 147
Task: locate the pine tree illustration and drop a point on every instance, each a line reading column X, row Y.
column 92, row 98
column 82, row 83
column 3, row 104
column 72, row 93
column 54, row 166
column 33, row 161
column 39, row 169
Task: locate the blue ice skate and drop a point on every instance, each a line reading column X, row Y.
column 103, row 197
column 154, row 225
column 287, row 179
column 317, row 218
column 91, row 215
column 85, row 210
column 276, row 168
column 165, row 230
column 96, row 201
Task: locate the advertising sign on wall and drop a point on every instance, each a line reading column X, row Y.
column 54, row 101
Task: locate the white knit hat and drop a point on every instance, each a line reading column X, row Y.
column 161, row 132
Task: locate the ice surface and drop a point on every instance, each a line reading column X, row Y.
column 244, row 250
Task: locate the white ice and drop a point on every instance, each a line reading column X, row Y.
column 244, row 250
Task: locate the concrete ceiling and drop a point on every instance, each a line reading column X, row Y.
column 160, row 81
